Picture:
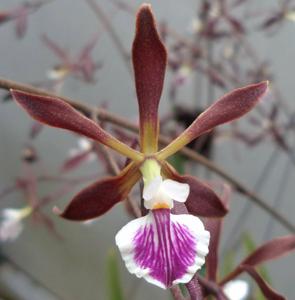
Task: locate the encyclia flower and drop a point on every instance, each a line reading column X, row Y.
column 161, row 247
column 11, row 225
column 236, row 289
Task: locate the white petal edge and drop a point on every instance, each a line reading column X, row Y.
column 124, row 239
column 202, row 236
column 176, row 190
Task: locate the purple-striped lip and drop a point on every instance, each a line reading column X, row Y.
column 163, row 248
column 167, row 249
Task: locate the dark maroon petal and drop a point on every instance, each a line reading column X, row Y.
column 214, row 227
column 57, row 113
column 149, row 61
column 269, row 251
column 265, row 288
column 202, row 200
column 228, row 108
column 101, row 196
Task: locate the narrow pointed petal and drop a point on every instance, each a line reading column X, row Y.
column 75, row 161
column 21, row 22
column 149, row 61
column 228, row 108
column 214, row 226
column 265, row 288
column 269, row 251
column 102, row 195
column 273, row 249
column 86, row 51
column 59, row 52
column 202, row 200
column 57, row 113
column 162, row 248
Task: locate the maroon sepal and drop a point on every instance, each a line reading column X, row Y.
column 265, row 288
column 149, row 61
column 202, row 200
column 214, row 226
column 99, row 197
column 228, row 108
column 269, row 251
column 57, row 113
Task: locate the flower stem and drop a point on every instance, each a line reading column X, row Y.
column 176, row 293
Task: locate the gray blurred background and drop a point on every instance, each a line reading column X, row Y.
column 75, row 268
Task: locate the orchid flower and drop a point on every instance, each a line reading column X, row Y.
column 164, row 248
column 236, row 289
column 11, row 225
column 20, row 15
column 78, row 155
column 82, row 66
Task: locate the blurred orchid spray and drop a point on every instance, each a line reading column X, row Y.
column 164, row 248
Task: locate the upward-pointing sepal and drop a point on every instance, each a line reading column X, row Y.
column 149, row 61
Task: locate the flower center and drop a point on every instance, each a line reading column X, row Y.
column 159, row 193
column 160, row 205
column 150, row 169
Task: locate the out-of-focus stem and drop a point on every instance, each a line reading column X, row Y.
column 279, row 197
column 194, row 289
column 101, row 16
column 232, row 241
column 211, row 288
column 176, row 293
